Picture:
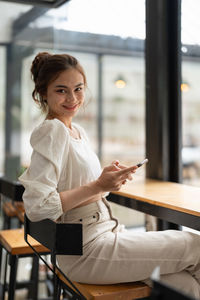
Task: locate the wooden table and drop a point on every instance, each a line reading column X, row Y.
column 173, row 202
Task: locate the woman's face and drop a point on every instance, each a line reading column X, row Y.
column 65, row 95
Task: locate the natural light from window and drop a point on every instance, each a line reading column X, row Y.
column 111, row 17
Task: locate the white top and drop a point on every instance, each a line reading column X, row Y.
column 59, row 162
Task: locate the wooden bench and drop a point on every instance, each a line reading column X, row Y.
column 72, row 245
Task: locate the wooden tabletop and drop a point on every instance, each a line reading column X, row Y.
column 175, row 196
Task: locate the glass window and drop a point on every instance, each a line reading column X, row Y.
column 113, row 17
column 123, row 109
column 191, row 91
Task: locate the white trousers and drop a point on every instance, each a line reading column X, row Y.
column 111, row 254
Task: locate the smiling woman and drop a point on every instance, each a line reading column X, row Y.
column 65, row 183
column 60, row 84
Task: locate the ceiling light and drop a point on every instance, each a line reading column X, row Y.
column 120, row 82
column 185, row 87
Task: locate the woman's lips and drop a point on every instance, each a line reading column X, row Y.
column 70, row 107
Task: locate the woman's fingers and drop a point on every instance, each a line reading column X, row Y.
column 127, row 171
column 112, row 168
column 114, row 176
column 115, row 162
column 130, row 177
column 121, row 167
column 123, row 173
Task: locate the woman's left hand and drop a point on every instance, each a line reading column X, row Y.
column 121, row 167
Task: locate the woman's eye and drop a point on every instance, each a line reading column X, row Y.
column 61, row 91
column 78, row 89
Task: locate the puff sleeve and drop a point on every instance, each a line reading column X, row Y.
column 50, row 143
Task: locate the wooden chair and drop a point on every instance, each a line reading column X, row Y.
column 12, row 241
column 11, row 198
column 10, row 211
column 121, row 291
column 72, row 245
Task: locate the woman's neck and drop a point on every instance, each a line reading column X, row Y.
column 67, row 122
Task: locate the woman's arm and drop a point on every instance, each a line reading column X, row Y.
column 111, row 179
column 42, row 200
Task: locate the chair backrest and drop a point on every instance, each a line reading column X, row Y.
column 63, row 239
column 11, row 189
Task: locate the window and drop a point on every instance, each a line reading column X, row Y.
column 123, row 109
column 191, row 91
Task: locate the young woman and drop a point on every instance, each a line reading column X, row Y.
column 65, row 183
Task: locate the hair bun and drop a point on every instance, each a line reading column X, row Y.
column 38, row 62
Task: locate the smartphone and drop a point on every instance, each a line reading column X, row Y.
column 142, row 162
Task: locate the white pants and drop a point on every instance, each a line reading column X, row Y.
column 111, row 254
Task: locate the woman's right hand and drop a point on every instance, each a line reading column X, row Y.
column 113, row 176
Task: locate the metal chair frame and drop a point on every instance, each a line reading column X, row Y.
column 66, row 239
column 13, row 191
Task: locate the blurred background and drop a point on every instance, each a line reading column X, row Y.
column 108, row 38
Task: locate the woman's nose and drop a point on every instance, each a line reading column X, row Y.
column 70, row 96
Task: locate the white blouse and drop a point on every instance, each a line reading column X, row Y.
column 59, row 162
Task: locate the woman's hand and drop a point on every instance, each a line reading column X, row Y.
column 113, row 176
column 111, row 179
column 116, row 163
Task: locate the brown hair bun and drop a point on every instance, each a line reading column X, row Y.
column 40, row 59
